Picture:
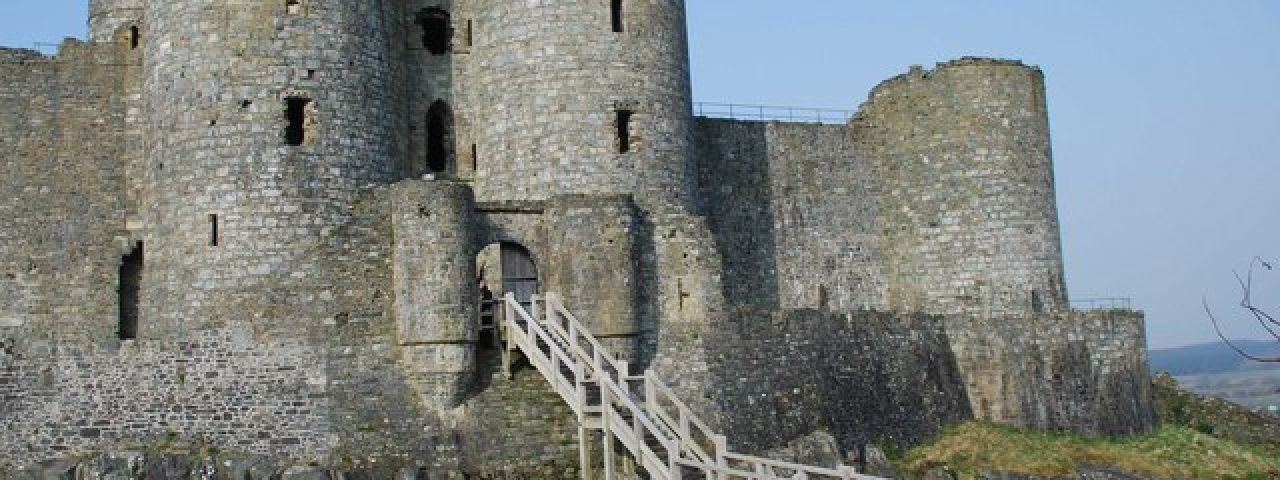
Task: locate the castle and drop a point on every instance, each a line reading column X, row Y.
column 272, row 226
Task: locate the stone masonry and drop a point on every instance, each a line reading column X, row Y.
column 261, row 226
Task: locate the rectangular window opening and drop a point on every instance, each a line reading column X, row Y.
column 475, row 158
column 624, row 130
column 471, row 39
column 296, row 113
column 617, row 16
column 135, row 37
column 213, row 230
column 128, row 292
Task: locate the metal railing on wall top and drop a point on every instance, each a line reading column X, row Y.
column 767, row 113
column 1102, row 303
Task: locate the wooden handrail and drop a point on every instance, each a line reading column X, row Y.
column 687, row 441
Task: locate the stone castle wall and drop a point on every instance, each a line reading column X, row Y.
column 332, row 316
column 220, row 75
column 61, row 198
column 793, row 210
column 937, row 197
column 544, row 83
column 340, row 405
column 360, row 390
column 964, row 178
column 865, row 377
column 890, row 379
column 111, row 21
column 1083, row 372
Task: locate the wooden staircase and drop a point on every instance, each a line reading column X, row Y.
column 637, row 412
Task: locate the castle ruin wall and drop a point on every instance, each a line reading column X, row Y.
column 793, row 210
column 1073, row 371
column 549, row 84
column 266, row 121
column 61, row 210
column 964, row 182
column 299, row 297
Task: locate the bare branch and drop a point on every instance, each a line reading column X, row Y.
column 1266, row 320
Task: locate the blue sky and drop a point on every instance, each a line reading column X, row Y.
column 1165, row 116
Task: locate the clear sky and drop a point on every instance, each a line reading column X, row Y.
column 1165, row 116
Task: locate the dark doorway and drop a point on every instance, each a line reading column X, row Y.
column 519, row 274
column 507, row 267
column 439, row 137
column 436, row 30
column 130, row 285
column 502, row 268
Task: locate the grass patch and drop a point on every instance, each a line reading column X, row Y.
column 1171, row 452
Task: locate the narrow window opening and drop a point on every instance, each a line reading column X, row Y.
column 135, row 37
column 616, row 14
column 471, row 34
column 624, row 130
column 1037, row 305
column 475, row 158
column 213, row 230
column 436, row 30
column 127, row 292
column 296, row 113
column 293, row 6
column 439, row 137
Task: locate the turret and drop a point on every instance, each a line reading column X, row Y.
column 966, row 189
column 264, row 119
column 580, row 97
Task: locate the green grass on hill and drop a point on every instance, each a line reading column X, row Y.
column 1173, row 452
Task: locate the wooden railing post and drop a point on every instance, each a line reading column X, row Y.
column 606, row 409
column 585, row 471
column 624, row 371
column 551, row 315
column 509, row 315
column 721, row 444
column 533, row 306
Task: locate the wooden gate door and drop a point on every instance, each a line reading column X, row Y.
column 519, row 274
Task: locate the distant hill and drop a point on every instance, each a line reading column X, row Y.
column 1213, row 358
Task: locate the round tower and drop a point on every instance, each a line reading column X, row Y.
column 580, row 97
column 264, row 119
column 967, row 196
column 116, row 20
